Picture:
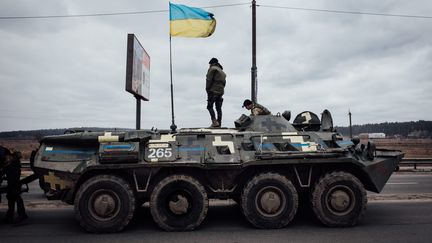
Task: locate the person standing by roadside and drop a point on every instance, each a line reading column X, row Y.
column 215, row 87
column 12, row 169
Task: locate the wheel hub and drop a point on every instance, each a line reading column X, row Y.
column 269, row 201
column 104, row 205
column 179, row 205
column 340, row 200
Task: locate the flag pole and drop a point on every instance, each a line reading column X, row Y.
column 173, row 125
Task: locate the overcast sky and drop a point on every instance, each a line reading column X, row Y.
column 70, row 72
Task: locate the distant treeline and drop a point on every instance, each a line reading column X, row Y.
column 413, row 129
column 32, row 134
column 38, row 134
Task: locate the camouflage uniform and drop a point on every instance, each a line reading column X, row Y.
column 215, row 86
column 258, row 109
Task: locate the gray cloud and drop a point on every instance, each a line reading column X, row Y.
column 67, row 72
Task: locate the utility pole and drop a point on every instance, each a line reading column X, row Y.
column 254, row 84
column 350, row 123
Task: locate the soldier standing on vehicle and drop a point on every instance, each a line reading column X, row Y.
column 12, row 169
column 255, row 108
column 215, row 85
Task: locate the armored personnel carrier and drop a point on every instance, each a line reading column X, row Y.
column 264, row 164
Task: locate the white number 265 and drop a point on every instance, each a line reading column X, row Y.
column 159, row 153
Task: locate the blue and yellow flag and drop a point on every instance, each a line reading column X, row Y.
column 190, row 22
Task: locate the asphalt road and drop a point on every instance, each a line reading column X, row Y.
column 387, row 219
column 416, row 183
column 384, row 222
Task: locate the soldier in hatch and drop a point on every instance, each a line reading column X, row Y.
column 215, row 85
column 255, row 108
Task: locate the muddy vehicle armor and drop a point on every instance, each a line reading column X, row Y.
column 266, row 164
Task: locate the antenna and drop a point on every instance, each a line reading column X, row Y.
column 350, row 123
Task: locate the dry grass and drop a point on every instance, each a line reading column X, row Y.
column 24, row 146
column 413, row 148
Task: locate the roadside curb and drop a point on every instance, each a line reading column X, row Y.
column 411, row 169
column 399, row 197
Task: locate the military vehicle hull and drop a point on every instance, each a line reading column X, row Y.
column 264, row 164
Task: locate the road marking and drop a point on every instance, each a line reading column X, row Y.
column 402, row 183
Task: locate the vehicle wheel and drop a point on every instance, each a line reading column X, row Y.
column 269, row 201
column 339, row 199
column 178, row 203
column 104, row 204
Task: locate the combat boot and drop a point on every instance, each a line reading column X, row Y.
column 20, row 219
column 215, row 124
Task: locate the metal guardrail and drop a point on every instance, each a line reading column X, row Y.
column 416, row 161
column 25, row 165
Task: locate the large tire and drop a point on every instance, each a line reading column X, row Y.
column 104, row 204
column 339, row 199
column 179, row 203
column 269, row 201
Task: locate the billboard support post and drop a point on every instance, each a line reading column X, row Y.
column 138, row 113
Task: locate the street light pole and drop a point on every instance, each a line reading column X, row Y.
column 254, row 84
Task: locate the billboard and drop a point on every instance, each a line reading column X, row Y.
column 137, row 69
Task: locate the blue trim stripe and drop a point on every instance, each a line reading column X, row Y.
column 265, row 145
column 300, row 144
column 178, row 12
column 68, row 152
column 128, row 146
column 345, row 143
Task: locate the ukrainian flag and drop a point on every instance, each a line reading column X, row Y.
column 190, row 22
